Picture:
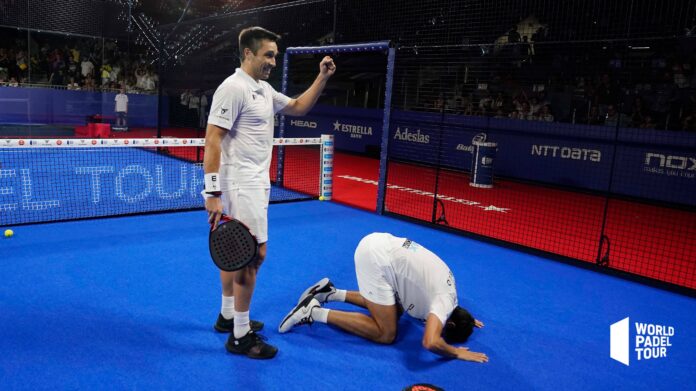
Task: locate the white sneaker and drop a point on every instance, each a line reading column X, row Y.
column 301, row 314
column 321, row 291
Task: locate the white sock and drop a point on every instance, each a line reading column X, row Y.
column 340, row 295
column 227, row 309
column 320, row 315
column 241, row 324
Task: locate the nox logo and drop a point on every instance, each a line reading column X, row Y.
column 303, row 124
column 650, row 341
column 670, row 161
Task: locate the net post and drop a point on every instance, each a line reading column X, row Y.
column 326, row 172
column 281, row 125
column 382, row 185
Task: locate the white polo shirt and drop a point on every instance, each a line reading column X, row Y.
column 391, row 269
column 245, row 108
column 121, row 103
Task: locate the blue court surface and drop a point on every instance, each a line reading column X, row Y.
column 129, row 303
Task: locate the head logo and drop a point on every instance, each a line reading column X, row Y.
column 94, row 142
column 156, row 141
column 125, row 142
column 303, row 124
column 651, row 341
column 185, row 141
column 21, row 142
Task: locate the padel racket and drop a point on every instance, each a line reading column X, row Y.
column 232, row 246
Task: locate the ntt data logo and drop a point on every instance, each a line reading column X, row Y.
column 651, row 341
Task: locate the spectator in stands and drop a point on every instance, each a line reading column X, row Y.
column 638, row 112
column 485, row 104
column 13, row 82
column 665, row 96
column 140, row 74
column 438, row 104
column 203, row 114
column 499, row 102
column 593, row 117
column 606, row 94
column 614, row 117
column 105, row 75
column 525, row 112
column 87, row 67
column 545, row 114
column 648, row 123
column 689, row 122
column 194, row 107
column 72, row 85
column 57, row 78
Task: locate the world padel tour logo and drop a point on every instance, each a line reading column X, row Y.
column 650, row 341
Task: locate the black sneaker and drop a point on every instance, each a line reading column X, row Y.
column 251, row 345
column 227, row 325
column 321, row 290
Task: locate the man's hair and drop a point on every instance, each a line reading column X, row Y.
column 459, row 326
column 251, row 38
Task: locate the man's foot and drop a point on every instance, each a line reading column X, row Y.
column 251, row 345
column 321, row 291
column 301, row 314
column 227, row 325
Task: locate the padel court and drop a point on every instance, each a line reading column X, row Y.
column 129, row 303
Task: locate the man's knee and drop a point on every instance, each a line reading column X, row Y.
column 386, row 337
column 262, row 252
column 260, row 256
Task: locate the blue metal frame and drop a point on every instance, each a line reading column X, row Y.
column 354, row 48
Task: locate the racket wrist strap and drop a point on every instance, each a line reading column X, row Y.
column 212, row 184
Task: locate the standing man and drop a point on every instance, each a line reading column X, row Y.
column 121, row 108
column 238, row 146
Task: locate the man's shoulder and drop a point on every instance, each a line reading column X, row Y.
column 232, row 83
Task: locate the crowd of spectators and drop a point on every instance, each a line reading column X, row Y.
column 75, row 64
column 610, row 92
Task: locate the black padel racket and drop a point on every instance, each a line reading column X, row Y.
column 232, row 246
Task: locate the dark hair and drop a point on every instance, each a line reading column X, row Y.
column 251, row 38
column 459, row 326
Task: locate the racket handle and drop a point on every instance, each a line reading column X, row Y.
column 223, row 219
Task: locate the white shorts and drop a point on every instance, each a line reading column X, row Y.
column 250, row 206
column 372, row 261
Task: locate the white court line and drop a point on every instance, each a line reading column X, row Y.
column 442, row 197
